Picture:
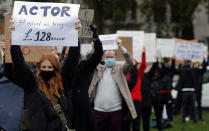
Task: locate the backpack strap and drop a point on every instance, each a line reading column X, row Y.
column 60, row 113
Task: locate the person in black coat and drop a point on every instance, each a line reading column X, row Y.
column 198, row 73
column 166, row 87
column 147, row 97
column 43, row 89
column 131, row 80
column 42, row 115
column 155, row 87
column 187, row 82
column 84, row 118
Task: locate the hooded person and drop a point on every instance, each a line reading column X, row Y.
column 11, row 103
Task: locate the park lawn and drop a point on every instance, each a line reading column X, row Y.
column 189, row 126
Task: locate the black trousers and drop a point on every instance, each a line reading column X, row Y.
column 166, row 99
column 157, row 108
column 188, row 99
column 136, row 122
column 143, row 112
column 146, row 113
column 199, row 103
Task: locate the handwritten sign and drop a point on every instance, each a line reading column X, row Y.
column 45, row 24
column 150, row 46
column 194, row 52
column 166, row 47
column 30, row 53
column 86, row 17
column 138, row 41
column 109, row 42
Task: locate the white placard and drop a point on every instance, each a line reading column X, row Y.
column 194, row 52
column 138, row 42
column 86, row 17
column 45, row 24
column 150, row 46
column 166, row 47
column 85, row 49
column 109, row 42
column 206, row 52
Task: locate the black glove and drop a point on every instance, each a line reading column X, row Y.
column 93, row 28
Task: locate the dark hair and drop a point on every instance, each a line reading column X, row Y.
column 61, row 57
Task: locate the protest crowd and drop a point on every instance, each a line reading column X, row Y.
column 70, row 91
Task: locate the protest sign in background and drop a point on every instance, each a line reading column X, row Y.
column 45, row 24
column 166, row 47
column 31, row 53
column 109, row 42
column 86, row 17
column 185, row 51
column 86, row 48
column 138, row 41
column 150, row 46
column 127, row 43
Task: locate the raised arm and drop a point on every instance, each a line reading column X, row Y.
column 91, row 63
column 152, row 70
column 128, row 59
column 204, row 64
column 23, row 74
column 173, row 66
column 69, row 66
column 143, row 65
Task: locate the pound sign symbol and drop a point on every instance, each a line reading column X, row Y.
column 27, row 35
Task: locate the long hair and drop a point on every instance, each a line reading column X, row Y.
column 55, row 82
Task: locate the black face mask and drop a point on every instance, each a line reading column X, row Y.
column 47, row 75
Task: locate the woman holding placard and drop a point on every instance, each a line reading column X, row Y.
column 51, row 108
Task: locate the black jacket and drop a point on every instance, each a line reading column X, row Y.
column 186, row 77
column 155, row 79
column 167, row 75
column 198, row 74
column 146, row 86
column 84, row 119
column 133, row 78
column 42, row 115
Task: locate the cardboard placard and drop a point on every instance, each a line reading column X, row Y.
column 138, row 41
column 127, row 42
column 1, row 28
column 86, row 17
column 31, row 53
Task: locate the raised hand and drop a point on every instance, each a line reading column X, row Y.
column 11, row 25
column 78, row 25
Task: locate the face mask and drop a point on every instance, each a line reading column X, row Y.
column 47, row 75
column 109, row 62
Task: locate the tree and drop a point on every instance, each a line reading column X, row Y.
column 182, row 15
column 114, row 10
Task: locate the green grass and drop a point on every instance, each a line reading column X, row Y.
column 189, row 126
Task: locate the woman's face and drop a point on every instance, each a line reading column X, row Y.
column 46, row 66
